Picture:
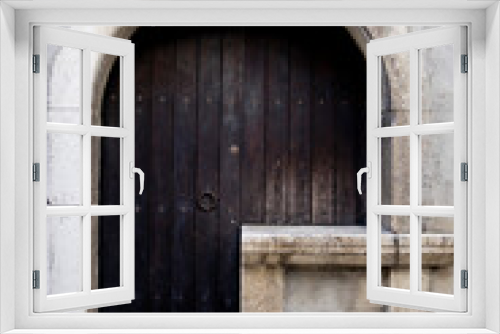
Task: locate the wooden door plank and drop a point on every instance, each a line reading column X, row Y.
column 300, row 134
column 277, row 127
column 161, row 185
column 344, row 159
column 232, row 77
column 322, row 138
column 183, row 291
column 207, row 223
column 252, row 146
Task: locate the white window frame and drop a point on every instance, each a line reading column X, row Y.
column 124, row 50
column 483, row 310
column 412, row 43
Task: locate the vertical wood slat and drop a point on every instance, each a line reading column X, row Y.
column 207, row 223
column 322, row 140
column 252, row 146
column 300, row 135
column 161, row 185
column 232, row 78
column 344, row 197
column 277, row 118
column 183, row 297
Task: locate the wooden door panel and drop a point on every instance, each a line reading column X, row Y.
column 269, row 119
column 162, row 187
column 230, row 143
column 184, row 129
column 300, row 133
column 253, row 121
column 277, row 131
column 207, row 169
column 324, row 170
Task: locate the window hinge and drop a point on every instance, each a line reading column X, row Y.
column 465, row 64
column 36, row 172
column 464, row 171
column 36, row 63
column 36, row 279
column 464, row 279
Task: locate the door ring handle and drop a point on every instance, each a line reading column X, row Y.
column 207, row 201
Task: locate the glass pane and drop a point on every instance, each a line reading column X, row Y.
column 105, row 95
column 64, row 255
column 105, row 252
column 395, row 252
column 395, row 89
column 64, row 169
column 436, row 84
column 105, row 171
column 437, row 254
column 395, row 172
column 437, row 169
column 64, row 84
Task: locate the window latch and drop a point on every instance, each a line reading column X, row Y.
column 134, row 170
column 368, row 171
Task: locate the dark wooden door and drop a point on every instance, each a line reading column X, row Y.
column 270, row 120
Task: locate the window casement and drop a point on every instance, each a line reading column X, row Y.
column 64, row 136
column 397, row 185
column 416, row 153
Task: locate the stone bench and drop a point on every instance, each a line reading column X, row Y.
column 323, row 268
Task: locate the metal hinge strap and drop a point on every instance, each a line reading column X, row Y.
column 464, row 171
column 36, row 279
column 36, row 172
column 464, row 279
column 36, row 63
column 465, row 64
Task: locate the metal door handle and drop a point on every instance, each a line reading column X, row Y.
column 368, row 171
column 135, row 170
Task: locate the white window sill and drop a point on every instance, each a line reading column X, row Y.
column 251, row 331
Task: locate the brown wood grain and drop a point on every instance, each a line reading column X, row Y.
column 183, row 240
column 162, row 189
column 207, row 168
column 253, row 125
column 277, row 127
column 230, row 144
column 323, row 166
column 299, row 193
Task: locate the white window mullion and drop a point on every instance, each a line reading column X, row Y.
column 108, row 131
column 395, row 131
column 414, row 172
column 67, row 128
column 372, row 184
column 96, row 131
column 87, row 165
column 421, row 211
column 86, row 254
